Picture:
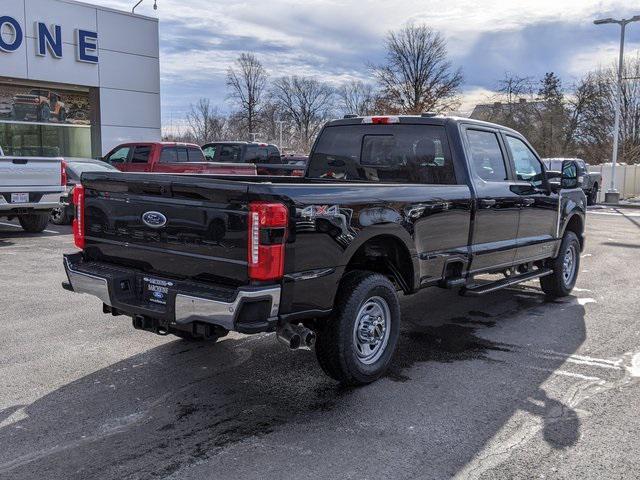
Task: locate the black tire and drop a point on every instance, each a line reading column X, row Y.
column 35, row 222
column 337, row 347
column 592, row 198
column 558, row 284
column 59, row 216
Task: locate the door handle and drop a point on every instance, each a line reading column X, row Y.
column 487, row 202
column 527, row 202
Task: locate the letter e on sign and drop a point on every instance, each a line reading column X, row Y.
column 87, row 46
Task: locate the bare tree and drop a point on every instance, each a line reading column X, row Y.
column 247, row 81
column 417, row 76
column 306, row 103
column 357, row 97
column 204, row 122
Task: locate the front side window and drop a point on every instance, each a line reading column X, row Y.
column 384, row 153
column 141, row 154
column 528, row 167
column 121, row 155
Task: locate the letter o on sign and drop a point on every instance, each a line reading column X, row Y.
column 12, row 41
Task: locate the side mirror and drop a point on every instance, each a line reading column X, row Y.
column 570, row 177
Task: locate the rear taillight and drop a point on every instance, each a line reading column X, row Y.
column 63, row 174
column 267, row 235
column 78, row 221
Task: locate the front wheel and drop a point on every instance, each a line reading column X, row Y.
column 565, row 268
column 592, row 199
column 34, row 223
column 357, row 343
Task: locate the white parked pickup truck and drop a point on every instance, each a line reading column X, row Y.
column 30, row 187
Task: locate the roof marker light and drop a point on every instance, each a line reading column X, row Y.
column 381, row 120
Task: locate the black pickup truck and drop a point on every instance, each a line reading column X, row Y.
column 389, row 204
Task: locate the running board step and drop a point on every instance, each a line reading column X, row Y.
column 476, row 291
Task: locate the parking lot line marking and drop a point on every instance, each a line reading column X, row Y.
column 18, row 226
column 634, row 370
column 616, row 214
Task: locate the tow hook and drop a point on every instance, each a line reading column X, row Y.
column 296, row 336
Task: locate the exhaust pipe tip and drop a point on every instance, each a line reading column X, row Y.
column 309, row 339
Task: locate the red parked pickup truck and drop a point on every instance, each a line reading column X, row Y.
column 170, row 157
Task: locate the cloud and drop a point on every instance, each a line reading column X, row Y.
column 334, row 40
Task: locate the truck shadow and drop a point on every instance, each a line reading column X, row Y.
column 455, row 377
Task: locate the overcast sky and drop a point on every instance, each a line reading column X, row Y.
column 333, row 40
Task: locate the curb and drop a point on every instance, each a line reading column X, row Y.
column 633, row 206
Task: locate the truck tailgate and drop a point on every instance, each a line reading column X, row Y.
column 182, row 226
column 29, row 172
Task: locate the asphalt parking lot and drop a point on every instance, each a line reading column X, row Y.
column 505, row 386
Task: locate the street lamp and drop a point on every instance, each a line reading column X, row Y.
column 613, row 196
column 155, row 5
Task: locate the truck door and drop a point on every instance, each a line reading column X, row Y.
column 495, row 225
column 140, row 159
column 538, row 207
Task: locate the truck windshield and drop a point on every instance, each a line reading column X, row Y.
column 383, row 153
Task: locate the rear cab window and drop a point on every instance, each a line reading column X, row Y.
column 196, row 155
column 402, row 153
column 169, row 155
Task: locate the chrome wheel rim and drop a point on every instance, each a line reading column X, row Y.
column 371, row 330
column 569, row 264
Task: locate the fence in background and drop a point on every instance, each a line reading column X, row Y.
column 627, row 179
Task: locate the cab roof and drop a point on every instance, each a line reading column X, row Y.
column 424, row 119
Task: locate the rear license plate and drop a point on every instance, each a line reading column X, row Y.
column 19, row 198
column 156, row 290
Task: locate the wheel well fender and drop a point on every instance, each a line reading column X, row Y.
column 575, row 224
column 391, row 253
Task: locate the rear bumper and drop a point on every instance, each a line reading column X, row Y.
column 245, row 310
column 41, row 201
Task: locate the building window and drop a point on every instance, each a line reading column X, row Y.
column 39, row 120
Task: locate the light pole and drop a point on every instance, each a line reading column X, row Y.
column 280, row 123
column 613, row 196
column 155, row 5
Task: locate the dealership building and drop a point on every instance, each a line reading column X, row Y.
column 76, row 79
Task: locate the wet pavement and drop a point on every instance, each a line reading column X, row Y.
column 509, row 385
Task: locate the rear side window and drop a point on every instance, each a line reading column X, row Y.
column 141, row 154
column 196, row 155
column 384, row 153
column 486, row 156
column 169, row 155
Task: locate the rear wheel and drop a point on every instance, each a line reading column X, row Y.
column 34, row 223
column 357, row 343
column 565, row 268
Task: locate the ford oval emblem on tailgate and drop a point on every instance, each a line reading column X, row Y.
column 154, row 219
